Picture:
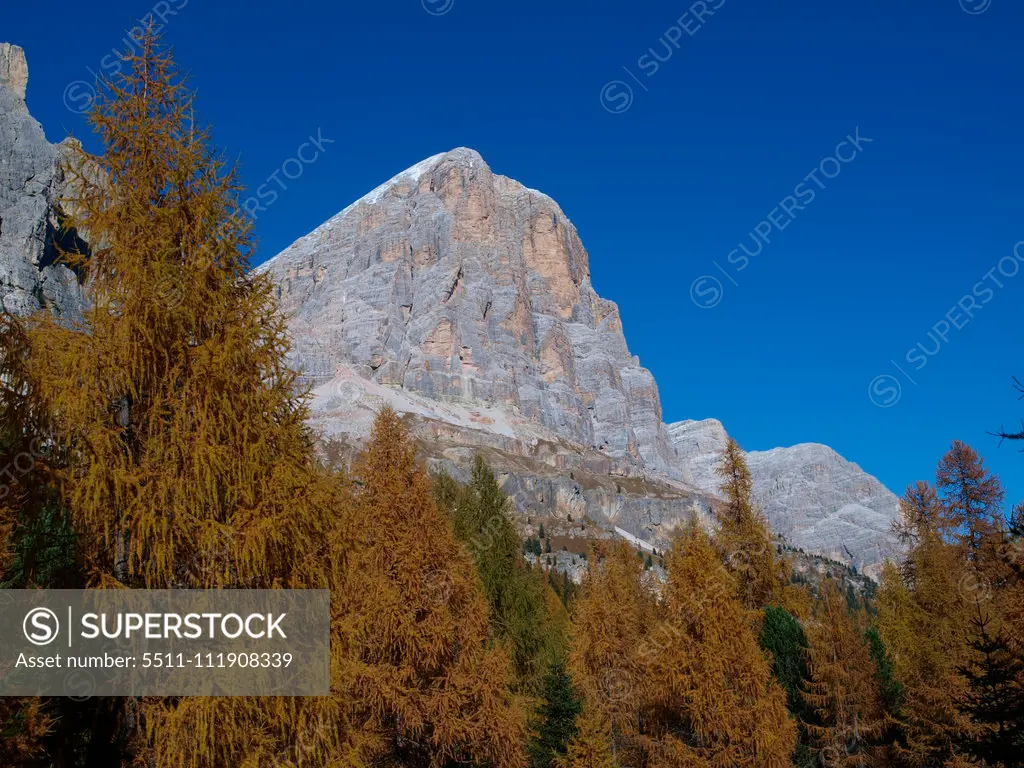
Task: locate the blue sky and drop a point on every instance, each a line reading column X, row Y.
column 667, row 167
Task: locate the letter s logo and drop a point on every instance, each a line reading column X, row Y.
column 41, row 626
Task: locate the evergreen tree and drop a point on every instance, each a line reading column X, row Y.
column 996, row 694
column 783, row 637
column 563, row 586
column 524, row 613
column 557, row 714
column 842, row 688
column 885, row 672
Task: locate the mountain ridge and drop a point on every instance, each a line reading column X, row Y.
column 457, row 228
column 463, row 299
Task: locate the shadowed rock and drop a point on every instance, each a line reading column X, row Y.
column 31, row 185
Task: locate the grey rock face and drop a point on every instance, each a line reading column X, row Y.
column 463, row 300
column 463, row 286
column 812, row 496
column 30, row 187
column 825, row 504
column 699, row 446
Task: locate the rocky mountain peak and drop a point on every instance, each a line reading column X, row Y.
column 812, row 496
column 453, row 283
column 463, row 299
column 13, row 69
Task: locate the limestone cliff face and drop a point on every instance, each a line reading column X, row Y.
column 30, row 187
column 699, row 445
column 463, row 300
column 459, row 285
column 812, row 496
column 825, row 504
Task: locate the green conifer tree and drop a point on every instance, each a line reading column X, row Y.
column 995, row 698
column 560, row 706
column 524, row 613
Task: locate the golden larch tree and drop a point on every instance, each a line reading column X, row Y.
column 842, row 691
column 428, row 680
column 189, row 462
column 591, row 747
column 711, row 699
column 971, row 500
column 185, row 456
column 923, row 621
column 611, row 619
column 743, row 538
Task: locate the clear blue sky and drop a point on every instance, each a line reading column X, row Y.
column 665, row 186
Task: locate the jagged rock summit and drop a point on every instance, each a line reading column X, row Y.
column 463, row 299
column 13, row 69
column 31, row 183
column 455, row 284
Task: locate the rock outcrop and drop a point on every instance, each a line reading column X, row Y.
column 463, row 299
column 13, row 69
column 698, row 446
column 813, row 497
column 31, row 185
column 459, row 285
column 824, row 504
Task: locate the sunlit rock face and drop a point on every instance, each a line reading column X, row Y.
column 812, row 496
column 463, row 299
column 459, row 285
